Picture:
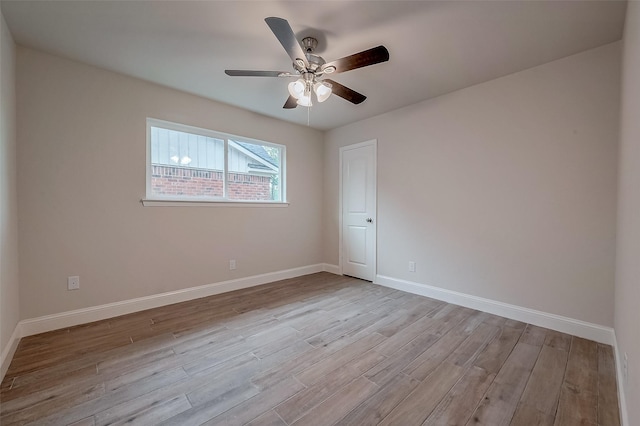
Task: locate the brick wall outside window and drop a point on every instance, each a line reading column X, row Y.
column 175, row 181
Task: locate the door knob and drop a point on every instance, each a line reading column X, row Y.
column 369, row 220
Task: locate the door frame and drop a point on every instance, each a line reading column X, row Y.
column 374, row 144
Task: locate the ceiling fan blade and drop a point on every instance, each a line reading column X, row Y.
column 291, row 103
column 249, row 73
column 285, row 35
column 346, row 93
column 359, row 60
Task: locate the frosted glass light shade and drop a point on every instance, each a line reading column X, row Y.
column 322, row 91
column 305, row 100
column 296, row 88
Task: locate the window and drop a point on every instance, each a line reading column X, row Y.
column 191, row 164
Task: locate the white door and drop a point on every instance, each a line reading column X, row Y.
column 358, row 230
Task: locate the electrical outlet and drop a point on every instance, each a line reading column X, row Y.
column 625, row 368
column 73, row 283
column 412, row 266
column 232, row 264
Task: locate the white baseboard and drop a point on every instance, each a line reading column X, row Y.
column 333, row 269
column 10, row 350
column 96, row 313
column 567, row 325
column 622, row 400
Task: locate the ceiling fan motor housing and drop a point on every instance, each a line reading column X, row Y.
column 315, row 62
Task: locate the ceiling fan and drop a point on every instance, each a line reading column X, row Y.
column 309, row 67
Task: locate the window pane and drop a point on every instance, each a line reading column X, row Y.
column 155, row 148
column 254, row 172
column 177, row 170
column 201, row 156
column 188, row 163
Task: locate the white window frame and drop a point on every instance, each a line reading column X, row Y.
column 169, row 201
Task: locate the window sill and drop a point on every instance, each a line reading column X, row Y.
column 210, row 203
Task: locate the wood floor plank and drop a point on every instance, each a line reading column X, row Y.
column 312, row 356
column 495, row 320
column 128, row 393
column 218, row 353
column 380, row 404
column 392, row 366
column 404, row 336
column 339, row 404
column 270, row 376
column 527, row 415
column 307, row 399
column 582, row 367
column 146, row 380
column 254, row 407
column 206, row 342
column 410, row 316
column 150, row 412
column 538, row 404
column 543, row 388
column 355, row 323
column 227, row 359
column 578, row 402
column 38, row 405
column 303, row 319
column 391, row 305
column 458, row 405
column 501, row 399
column 439, row 325
column 558, row 340
column 339, row 358
column 473, row 345
column 493, row 357
column 22, row 386
column 534, row 335
column 214, row 390
column 417, row 407
column 71, row 354
column 63, row 371
column 318, row 349
column 576, row 408
column 518, row 325
column 426, row 362
column 333, row 318
column 134, row 361
column 89, row 421
column 608, row 413
column 270, row 418
column 227, row 398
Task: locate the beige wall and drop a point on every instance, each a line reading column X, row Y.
column 504, row 190
column 627, row 290
column 9, row 290
column 81, row 161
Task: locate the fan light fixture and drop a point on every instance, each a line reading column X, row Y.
column 310, row 67
column 301, row 90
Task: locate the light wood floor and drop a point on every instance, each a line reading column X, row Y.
column 316, row 350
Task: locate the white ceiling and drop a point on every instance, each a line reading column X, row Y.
column 435, row 46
